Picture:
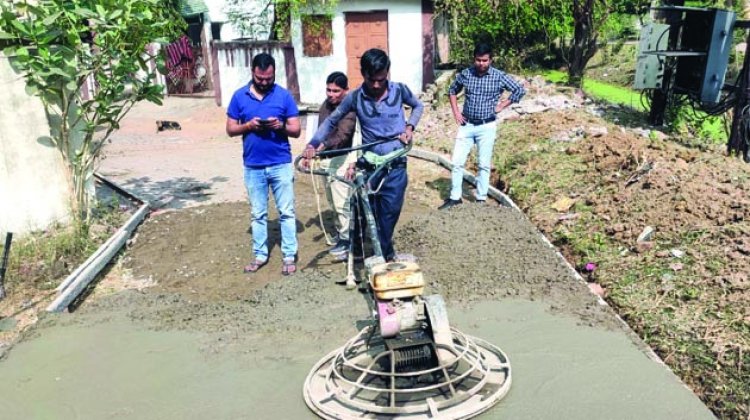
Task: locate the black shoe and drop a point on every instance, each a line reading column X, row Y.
column 448, row 203
column 340, row 248
column 481, row 201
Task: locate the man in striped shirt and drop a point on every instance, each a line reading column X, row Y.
column 484, row 86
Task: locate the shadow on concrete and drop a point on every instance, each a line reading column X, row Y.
column 46, row 141
column 174, row 193
column 441, row 185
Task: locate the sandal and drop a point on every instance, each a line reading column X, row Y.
column 288, row 267
column 255, row 266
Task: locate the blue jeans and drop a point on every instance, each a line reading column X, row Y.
column 387, row 204
column 468, row 135
column 280, row 180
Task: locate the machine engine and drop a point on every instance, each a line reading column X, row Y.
column 414, row 327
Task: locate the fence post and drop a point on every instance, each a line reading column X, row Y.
column 4, row 264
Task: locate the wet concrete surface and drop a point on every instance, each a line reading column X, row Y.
column 115, row 368
column 208, row 341
column 165, row 352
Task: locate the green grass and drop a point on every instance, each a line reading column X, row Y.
column 697, row 126
column 601, row 90
column 39, row 260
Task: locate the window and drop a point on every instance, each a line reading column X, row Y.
column 317, row 36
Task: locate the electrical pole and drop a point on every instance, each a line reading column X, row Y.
column 659, row 101
column 737, row 144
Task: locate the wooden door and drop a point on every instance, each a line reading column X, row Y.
column 364, row 30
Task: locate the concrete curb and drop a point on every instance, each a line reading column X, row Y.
column 84, row 274
column 506, row 201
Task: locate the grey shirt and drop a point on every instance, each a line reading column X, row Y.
column 379, row 120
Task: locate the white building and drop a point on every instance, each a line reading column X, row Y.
column 320, row 44
column 402, row 28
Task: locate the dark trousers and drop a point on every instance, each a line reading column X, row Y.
column 387, row 204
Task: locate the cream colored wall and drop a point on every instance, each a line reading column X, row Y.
column 404, row 47
column 33, row 191
column 235, row 67
column 217, row 13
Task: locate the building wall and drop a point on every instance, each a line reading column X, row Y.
column 217, row 13
column 33, row 188
column 404, row 47
column 234, row 61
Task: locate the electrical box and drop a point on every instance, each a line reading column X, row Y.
column 718, row 56
column 708, row 34
column 649, row 67
column 695, row 43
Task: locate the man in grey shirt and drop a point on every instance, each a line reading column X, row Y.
column 379, row 104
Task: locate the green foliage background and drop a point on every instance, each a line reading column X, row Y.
column 61, row 45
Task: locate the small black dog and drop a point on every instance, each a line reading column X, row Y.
column 167, row 125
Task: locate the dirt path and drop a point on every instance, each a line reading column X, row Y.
column 207, row 341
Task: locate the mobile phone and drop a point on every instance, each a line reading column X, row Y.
column 265, row 121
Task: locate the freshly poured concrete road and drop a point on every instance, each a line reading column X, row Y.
column 113, row 363
column 116, row 369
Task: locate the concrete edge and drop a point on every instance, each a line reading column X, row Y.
column 506, row 201
column 85, row 273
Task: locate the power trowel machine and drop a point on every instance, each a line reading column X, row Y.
column 407, row 362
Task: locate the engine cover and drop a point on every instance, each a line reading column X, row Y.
column 396, row 280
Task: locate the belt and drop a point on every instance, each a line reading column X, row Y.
column 480, row 121
column 398, row 163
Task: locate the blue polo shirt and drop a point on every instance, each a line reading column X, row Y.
column 267, row 147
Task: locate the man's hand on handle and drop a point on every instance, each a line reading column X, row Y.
column 310, row 153
column 408, row 134
column 349, row 175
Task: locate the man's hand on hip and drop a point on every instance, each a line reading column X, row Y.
column 502, row 105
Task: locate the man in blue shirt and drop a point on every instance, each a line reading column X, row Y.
column 379, row 104
column 265, row 115
column 484, row 86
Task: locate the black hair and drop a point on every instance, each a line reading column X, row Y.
column 339, row 79
column 263, row 61
column 482, row 48
column 373, row 61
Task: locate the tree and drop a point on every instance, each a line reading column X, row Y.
column 514, row 27
column 519, row 29
column 60, row 45
column 270, row 19
column 588, row 18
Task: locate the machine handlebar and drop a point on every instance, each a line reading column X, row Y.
column 338, row 152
